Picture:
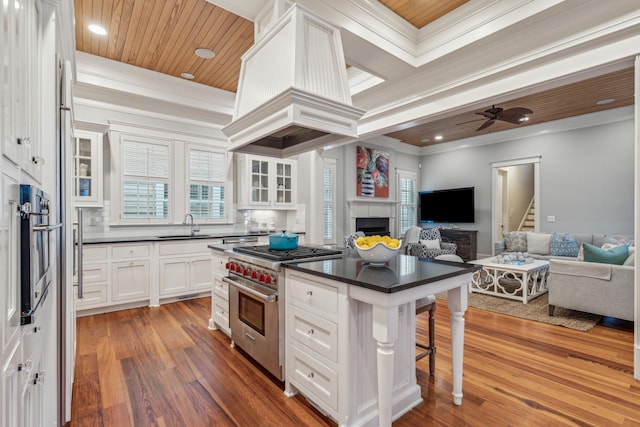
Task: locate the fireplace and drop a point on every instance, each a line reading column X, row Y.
column 372, row 226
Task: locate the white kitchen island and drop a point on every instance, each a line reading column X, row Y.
column 350, row 333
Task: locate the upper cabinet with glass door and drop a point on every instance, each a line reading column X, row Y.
column 87, row 168
column 265, row 182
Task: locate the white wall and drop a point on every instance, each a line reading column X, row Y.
column 586, row 178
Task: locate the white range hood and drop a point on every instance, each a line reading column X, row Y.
column 293, row 94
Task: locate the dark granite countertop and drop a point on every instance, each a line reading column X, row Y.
column 401, row 273
column 169, row 237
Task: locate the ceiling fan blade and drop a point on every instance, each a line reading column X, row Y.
column 488, row 114
column 515, row 119
column 485, row 124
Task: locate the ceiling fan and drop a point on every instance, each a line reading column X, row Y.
column 515, row 115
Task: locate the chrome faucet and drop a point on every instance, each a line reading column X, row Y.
column 194, row 227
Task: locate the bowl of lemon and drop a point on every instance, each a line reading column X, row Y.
column 377, row 250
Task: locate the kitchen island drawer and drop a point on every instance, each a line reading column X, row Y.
column 221, row 289
column 221, row 315
column 306, row 292
column 313, row 377
column 315, row 332
column 130, row 251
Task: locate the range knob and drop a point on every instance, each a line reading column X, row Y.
column 246, row 271
column 227, row 266
column 261, row 277
column 254, row 274
column 268, row 280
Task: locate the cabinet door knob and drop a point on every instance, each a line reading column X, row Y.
column 309, row 294
column 310, row 332
column 310, row 376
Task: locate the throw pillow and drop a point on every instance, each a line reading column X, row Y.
column 431, row 244
column 616, row 255
column 515, row 241
column 538, row 243
column 430, row 234
column 563, row 245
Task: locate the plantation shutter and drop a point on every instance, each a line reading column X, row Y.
column 145, row 180
column 329, row 200
column 207, row 170
column 407, row 214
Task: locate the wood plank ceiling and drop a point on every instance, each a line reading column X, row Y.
column 162, row 35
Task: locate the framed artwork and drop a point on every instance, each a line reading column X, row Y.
column 372, row 171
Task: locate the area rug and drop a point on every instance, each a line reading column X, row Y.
column 537, row 309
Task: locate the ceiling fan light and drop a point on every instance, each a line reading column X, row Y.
column 187, row 76
column 438, row 137
column 523, row 119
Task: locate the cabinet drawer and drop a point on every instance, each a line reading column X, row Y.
column 92, row 273
column 198, row 246
column 218, row 264
column 221, row 314
column 221, row 289
column 91, row 296
column 309, row 374
column 315, row 294
column 315, row 332
column 133, row 251
column 94, row 253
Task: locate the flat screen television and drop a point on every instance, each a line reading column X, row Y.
column 454, row 205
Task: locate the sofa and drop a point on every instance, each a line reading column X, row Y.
column 597, row 288
column 538, row 245
column 593, row 273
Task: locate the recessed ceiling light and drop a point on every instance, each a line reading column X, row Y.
column 187, row 76
column 605, row 101
column 205, row 53
column 438, row 137
column 97, row 29
column 425, row 140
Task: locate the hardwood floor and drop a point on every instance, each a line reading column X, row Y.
column 162, row 367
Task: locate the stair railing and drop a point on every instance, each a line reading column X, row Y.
column 526, row 213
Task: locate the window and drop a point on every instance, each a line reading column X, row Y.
column 207, row 171
column 145, row 180
column 329, row 200
column 407, row 206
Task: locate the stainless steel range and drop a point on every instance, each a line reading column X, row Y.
column 256, row 284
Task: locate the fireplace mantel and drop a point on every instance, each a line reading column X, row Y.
column 372, row 207
column 372, row 200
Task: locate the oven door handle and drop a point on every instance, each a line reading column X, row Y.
column 45, row 227
column 264, row 297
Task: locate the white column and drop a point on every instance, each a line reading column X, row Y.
column 457, row 301
column 385, row 332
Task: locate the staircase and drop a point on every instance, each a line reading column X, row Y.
column 528, row 222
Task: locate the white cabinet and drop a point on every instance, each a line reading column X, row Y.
column 220, row 295
column 87, row 168
column 185, row 267
column 130, row 272
column 32, row 396
column 312, row 354
column 12, row 372
column 114, row 274
column 9, row 261
column 26, row 83
column 266, row 182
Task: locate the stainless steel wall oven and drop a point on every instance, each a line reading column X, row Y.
column 34, row 250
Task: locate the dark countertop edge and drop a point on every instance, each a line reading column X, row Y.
column 133, row 239
column 468, row 268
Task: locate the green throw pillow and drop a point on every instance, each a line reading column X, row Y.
column 616, row 255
